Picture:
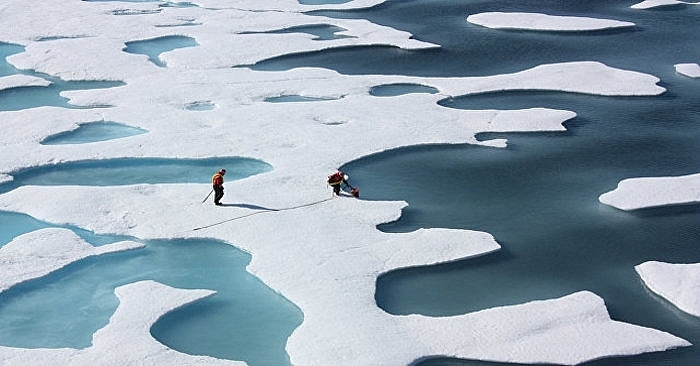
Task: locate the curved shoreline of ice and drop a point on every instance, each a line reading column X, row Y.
column 334, row 287
column 677, row 283
column 126, row 339
column 646, row 192
column 544, row 22
column 43, row 251
column 332, row 281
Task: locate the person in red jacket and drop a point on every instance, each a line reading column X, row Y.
column 338, row 178
column 218, row 182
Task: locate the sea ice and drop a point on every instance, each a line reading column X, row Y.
column 690, row 69
column 322, row 254
column 544, row 22
column 637, row 193
column 648, row 4
column 677, row 283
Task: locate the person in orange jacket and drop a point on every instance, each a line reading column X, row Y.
column 336, row 179
column 217, row 182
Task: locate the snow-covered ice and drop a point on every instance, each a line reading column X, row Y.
column 677, row 283
column 689, row 69
column 544, row 22
column 649, row 4
column 331, row 281
column 637, row 193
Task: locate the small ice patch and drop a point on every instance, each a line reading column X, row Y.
column 544, row 22
column 691, row 70
column 638, row 193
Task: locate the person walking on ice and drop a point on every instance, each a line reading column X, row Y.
column 217, row 182
column 336, row 179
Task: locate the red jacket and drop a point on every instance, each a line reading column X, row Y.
column 336, row 178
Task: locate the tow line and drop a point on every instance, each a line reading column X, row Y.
column 264, row 211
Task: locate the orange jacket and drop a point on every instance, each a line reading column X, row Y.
column 217, row 179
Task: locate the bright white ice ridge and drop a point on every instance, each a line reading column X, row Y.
column 543, row 22
column 332, row 281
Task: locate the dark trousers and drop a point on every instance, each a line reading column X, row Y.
column 218, row 193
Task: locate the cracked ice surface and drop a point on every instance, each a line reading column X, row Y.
column 332, row 281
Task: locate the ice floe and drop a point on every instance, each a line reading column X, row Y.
column 638, row 193
column 544, row 22
column 649, row 4
column 677, row 283
column 689, row 69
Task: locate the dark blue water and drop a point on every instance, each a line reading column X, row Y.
column 539, row 196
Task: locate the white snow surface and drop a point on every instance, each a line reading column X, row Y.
column 645, row 192
column 676, row 282
column 331, row 281
column 649, row 4
column 688, row 69
column 544, row 22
